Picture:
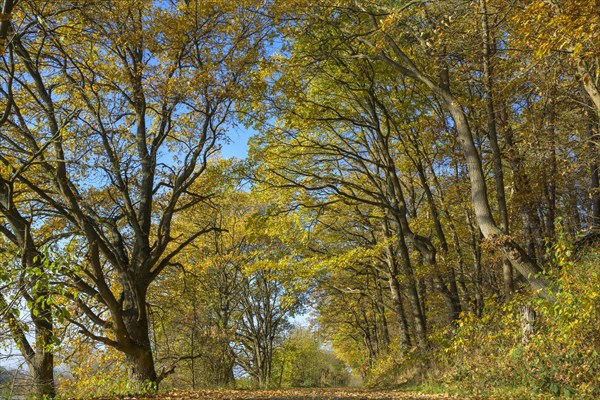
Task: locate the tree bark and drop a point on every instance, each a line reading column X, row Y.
column 380, row 307
column 396, row 296
column 589, row 84
column 141, row 372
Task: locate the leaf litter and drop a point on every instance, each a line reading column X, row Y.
column 288, row 394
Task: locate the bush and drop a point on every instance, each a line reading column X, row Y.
column 561, row 358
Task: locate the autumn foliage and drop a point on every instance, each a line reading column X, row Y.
column 419, row 205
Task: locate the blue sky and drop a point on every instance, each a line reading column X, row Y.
column 238, row 145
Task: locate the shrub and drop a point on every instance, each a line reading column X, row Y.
column 561, row 358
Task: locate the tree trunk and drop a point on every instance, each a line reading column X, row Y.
column 450, row 296
column 42, row 364
column 528, row 318
column 475, row 243
column 412, row 292
column 396, row 296
column 380, row 307
column 410, row 283
column 486, row 39
column 40, row 360
column 479, row 196
column 142, row 375
column 592, row 130
column 142, row 372
column 42, row 372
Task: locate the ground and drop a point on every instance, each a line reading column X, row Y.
column 290, row 394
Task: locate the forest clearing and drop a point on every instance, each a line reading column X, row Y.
column 263, row 195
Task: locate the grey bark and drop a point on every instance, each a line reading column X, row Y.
column 396, row 296
column 590, row 83
column 528, row 318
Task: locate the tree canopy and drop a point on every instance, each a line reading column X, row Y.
column 421, row 174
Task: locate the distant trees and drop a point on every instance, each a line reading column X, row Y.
column 239, row 290
column 301, row 362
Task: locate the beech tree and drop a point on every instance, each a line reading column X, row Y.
column 380, row 33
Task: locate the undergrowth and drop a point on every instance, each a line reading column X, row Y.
column 488, row 355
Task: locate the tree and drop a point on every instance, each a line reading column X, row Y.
column 26, row 287
column 25, row 227
column 570, row 30
column 146, row 92
column 377, row 32
column 240, row 285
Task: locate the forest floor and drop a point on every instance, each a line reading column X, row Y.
column 291, row 394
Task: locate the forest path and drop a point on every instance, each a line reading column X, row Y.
column 291, row 394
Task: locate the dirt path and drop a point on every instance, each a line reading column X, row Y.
column 290, row 394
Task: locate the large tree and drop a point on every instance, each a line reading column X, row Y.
column 120, row 104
